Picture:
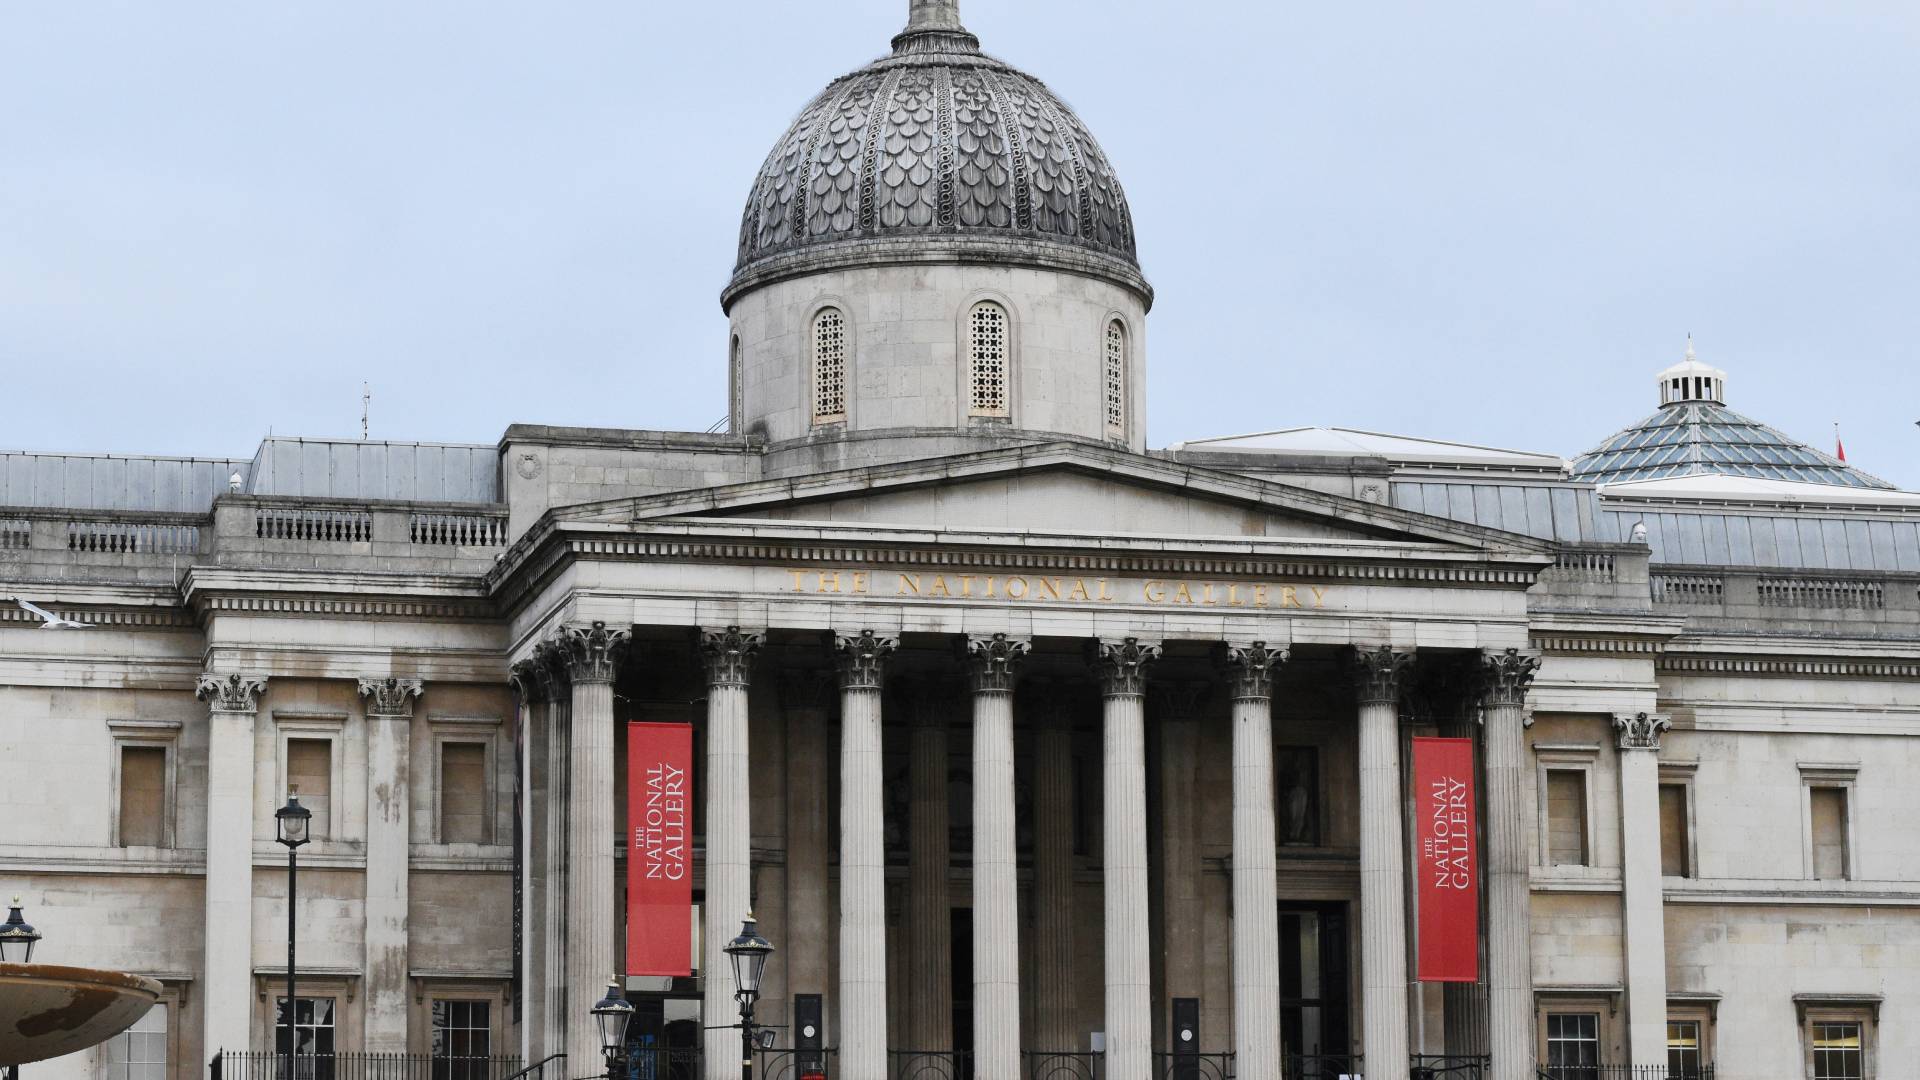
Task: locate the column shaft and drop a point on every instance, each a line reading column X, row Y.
column 1644, row 901
column 863, row 861
column 1256, row 902
column 590, row 843
column 1509, row 912
column 229, row 885
column 1182, row 912
column 729, row 839
column 389, row 810
column 809, row 949
column 1129, row 999
column 1383, row 915
column 1053, row 909
column 996, row 877
column 929, row 888
column 560, row 767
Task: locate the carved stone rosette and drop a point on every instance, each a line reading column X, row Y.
column 729, row 655
column 1640, row 731
column 590, row 654
column 1505, row 676
column 390, row 697
column 1121, row 666
column 993, row 663
column 1380, row 673
column 862, row 660
column 1250, row 670
column 231, row 693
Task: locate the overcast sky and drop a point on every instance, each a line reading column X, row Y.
column 1491, row 222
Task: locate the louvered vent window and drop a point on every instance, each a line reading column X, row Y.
column 1116, row 380
column 987, row 349
column 829, row 366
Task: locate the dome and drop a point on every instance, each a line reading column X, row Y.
column 937, row 152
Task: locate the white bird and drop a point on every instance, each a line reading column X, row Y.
column 53, row 622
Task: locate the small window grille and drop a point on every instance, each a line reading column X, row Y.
column 829, row 366
column 1116, row 380
column 988, row 353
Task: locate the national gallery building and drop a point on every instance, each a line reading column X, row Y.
column 1036, row 752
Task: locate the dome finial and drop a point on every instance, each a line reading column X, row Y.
column 933, row 15
column 1689, row 344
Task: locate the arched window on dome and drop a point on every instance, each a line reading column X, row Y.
column 987, row 374
column 829, row 366
column 736, row 388
column 1116, row 380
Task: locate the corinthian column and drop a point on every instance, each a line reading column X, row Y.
column 233, row 701
column 1383, row 909
column 1505, row 676
column 1644, row 901
column 991, row 666
column 863, row 858
column 929, row 873
column 389, row 808
column 592, row 657
column 1256, row 901
column 533, row 681
column 729, row 657
column 1122, row 669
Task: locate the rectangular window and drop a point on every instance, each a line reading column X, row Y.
column 1673, row 830
column 143, row 796
column 1573, row 1045
column 310, row 776
column 1566, row 817
column 1839, row 1052
column 462, row 1039
column 140, row 1052
column 1685, row 1060
column 1829, row 818
column 463, row 793
column 313, row 1033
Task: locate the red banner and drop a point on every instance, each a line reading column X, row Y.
column 1446, row 860
column 659, row 849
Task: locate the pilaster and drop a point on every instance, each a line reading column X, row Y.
column 233, row 701
column 1644, row 902
column 389, row 710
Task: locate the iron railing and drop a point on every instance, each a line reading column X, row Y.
column 1193, row 1066
column 1060, row 1065
column 790, row 1064
column 1622, row 1072
column 263, row 1065
column 1320, row 1066
column 663, row 1063
column 1452, row 1066
column 929, row 1064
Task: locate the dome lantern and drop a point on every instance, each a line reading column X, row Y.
column 1690, row 381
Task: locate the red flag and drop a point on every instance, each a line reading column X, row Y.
column 1839, row 448
column 1446, row 859
column 659, row 849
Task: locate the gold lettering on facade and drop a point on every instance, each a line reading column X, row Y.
column 1077, row 590
column 1024, row 588
column 1319, row 596
column 1154, row 591
column 1289, row 596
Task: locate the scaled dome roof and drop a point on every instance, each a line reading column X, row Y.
column 935, row 152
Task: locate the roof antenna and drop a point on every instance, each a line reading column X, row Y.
column 366, row 401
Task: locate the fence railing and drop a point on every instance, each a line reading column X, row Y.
column 777, row 1064
column 1060, row 1065
column 457, row 530
column 1320, row 1066
column 1452, row 1066
column 929, row 1064
column 1193, row 1066
column 663, row 1063
column 132, row 538
column 260, row 1065
column 1688, row 589
column 1622, row 1072
column 1807, row 592
column 15, row 534
column 1596, row 567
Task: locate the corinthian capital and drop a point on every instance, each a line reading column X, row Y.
column 862, row 659
column 1380, row 674
column 992, row 663
column 729, row 655
column 1250, row 669
column 231, row 693
column 390, row 697
column 1505, row 676
column 590, row 654
column 1121, row 666
column 533, row 679
column 1640, row 731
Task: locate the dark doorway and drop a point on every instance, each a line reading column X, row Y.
column 962, row 965
column 1315, row 983
column 663, row 1039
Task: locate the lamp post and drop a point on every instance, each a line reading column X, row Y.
column 749, row 952
column 612, row 1013
column 17, row 939
column 290, row 828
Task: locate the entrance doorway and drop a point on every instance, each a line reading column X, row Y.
column 1315, row 982
column 961, row 943
column 663, row 1038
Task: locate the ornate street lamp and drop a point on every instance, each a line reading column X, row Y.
column 290, row 824
column 17, row 937
column 749, row 952
column 613, row 1013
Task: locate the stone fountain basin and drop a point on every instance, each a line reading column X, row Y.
column 47, row 1010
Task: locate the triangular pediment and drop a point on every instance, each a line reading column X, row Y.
column 1061, row 489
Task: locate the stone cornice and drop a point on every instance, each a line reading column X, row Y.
column 1789, row 666
column 218, row 590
